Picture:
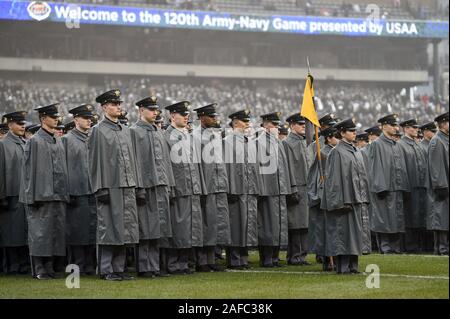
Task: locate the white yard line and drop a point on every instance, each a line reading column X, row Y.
column 252, row 252
column 320, row 273
column 409, row 255
column 415, row 276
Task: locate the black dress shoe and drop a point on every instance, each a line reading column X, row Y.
column 216, row 268
column 111, row 277
column 43, row 277
column 203, row 268
column 126, row 276
column 247, row 267
column 305, row 263
column 162, row 274
column 147, row 274
column 176, row 272
column 236, row 267
column 354, row 271
column 188, row 272
column 297, row 263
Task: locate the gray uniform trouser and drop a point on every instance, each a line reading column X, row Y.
column 148, row 256
column 163, row 260
column 414, row 239
column 297, row 245
column 15, row 259
column 83, row 256
column 237, row 256
column 389, row 243
column 269, row 255
column 346, row 263
column 111, row 259
column 205, row 255
column 441, row 242
column 177, row 259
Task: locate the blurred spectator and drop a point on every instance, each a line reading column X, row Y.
column 186, row 5
column 207, row 5
column 324, row 13
column 269, row 5
column 345, row 9
column 309, row 10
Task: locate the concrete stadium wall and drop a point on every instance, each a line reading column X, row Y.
column 214, row 71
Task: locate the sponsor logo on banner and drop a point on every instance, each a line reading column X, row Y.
column 39, row 10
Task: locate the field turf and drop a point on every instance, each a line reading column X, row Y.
column 401, row 276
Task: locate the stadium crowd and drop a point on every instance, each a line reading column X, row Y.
column 364, row 103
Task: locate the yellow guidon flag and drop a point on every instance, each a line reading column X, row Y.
column 308, row 109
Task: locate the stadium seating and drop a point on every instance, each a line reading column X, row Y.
column 366, row 104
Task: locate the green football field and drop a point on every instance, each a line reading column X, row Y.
column 401, row 276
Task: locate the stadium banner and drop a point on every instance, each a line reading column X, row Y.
column 75, row 15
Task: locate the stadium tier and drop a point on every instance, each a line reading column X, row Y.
column 199, row 47
column 366, row 104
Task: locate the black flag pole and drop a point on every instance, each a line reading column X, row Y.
column 309, row 67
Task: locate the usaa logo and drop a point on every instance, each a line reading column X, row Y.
column 39, row 10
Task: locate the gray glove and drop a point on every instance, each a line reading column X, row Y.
column 141, row 199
